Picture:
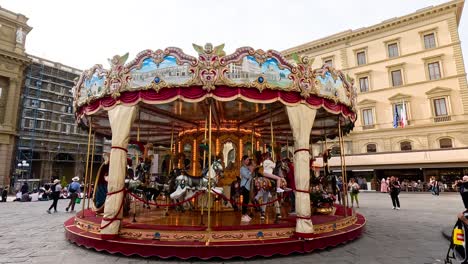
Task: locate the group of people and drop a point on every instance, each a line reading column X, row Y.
column 74, row 188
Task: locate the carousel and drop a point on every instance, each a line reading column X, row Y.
column 183, row 128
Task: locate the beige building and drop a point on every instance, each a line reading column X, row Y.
column 13, row 60
column 411, row 65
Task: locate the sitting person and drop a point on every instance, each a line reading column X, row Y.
column 18, row 196
column 25, row 197
column 268, row 166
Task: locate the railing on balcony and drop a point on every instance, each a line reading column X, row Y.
column 368, row 127
column 438, row 119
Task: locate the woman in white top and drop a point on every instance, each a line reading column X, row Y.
column 268, row 166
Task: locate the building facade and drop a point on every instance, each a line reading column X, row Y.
column 412, row 95
column 13, row 60
column 50, row 142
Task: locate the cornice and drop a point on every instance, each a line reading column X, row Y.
column 348, row 35
column 14, row 56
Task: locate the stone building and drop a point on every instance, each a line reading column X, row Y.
column 13, row 60
column 410, row 66
column 50, row 142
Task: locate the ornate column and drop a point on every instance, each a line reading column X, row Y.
column 121, row 119
column 301, row 119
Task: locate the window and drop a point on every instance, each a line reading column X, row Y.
column 445, row 143
column 361, row 57
column 393, row 50
column 399, row 108
column 434, row 70
column 329, row 62
column 405, row 146
column 367, row 117
column 429, row 41
column 371, row 148
column 364, row 84
column 440, row 107
column 397, row 79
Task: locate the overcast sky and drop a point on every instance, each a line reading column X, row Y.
column 83, row 33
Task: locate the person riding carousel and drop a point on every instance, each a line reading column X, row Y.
column 268, row 167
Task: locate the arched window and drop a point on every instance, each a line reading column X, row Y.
column 405, row 146
column 371, row 148
column 445, row 143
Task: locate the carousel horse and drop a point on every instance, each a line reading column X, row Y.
column 183, row 184
column 139, row 184
column 265, row 188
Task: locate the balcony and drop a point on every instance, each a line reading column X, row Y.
column 439, row 119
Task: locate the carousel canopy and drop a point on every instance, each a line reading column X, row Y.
column 245, row 90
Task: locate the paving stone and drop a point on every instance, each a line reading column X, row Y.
column 411, row 235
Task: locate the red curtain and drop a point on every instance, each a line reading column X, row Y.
column 197, row 93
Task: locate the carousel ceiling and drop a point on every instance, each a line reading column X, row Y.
column 248, row 89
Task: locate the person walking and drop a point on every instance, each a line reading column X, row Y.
column 339, row 186
column 246, row 178
column 75, row 189
column 394, row 188
column 55, row 190
column 354, row 192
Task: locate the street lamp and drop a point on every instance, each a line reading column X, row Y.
column 23, row 164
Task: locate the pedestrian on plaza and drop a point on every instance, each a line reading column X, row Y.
column 75, row 189
column 354, row 192
column 339, row 186
column 394, row 189
column 435, row 187
column 383, row 186
column 463, row 189
column 55, row 190
column 5, row 194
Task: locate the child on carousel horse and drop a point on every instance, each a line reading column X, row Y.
column 268, row 167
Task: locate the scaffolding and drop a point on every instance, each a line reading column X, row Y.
column 50, row 142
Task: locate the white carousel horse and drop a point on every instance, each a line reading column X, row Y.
column 185, row 183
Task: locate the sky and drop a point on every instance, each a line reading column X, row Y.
column 83, row 33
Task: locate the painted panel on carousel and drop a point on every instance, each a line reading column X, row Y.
column 92, row 87
column 330, row 85
column 250, row 70
column 167, row 70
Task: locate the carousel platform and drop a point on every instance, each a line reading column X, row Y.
column 185, row 235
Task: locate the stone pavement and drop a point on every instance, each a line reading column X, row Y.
column 412, row 235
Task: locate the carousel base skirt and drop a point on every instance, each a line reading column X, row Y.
column 181, row 240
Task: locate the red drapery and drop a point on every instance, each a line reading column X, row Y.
column 222, row 93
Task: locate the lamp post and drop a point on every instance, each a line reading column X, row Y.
column 23, row 165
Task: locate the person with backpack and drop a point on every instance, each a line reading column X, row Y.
column 354, row 192
column 55, row 190
column 74, row 188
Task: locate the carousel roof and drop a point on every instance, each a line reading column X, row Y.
column 246, row 90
